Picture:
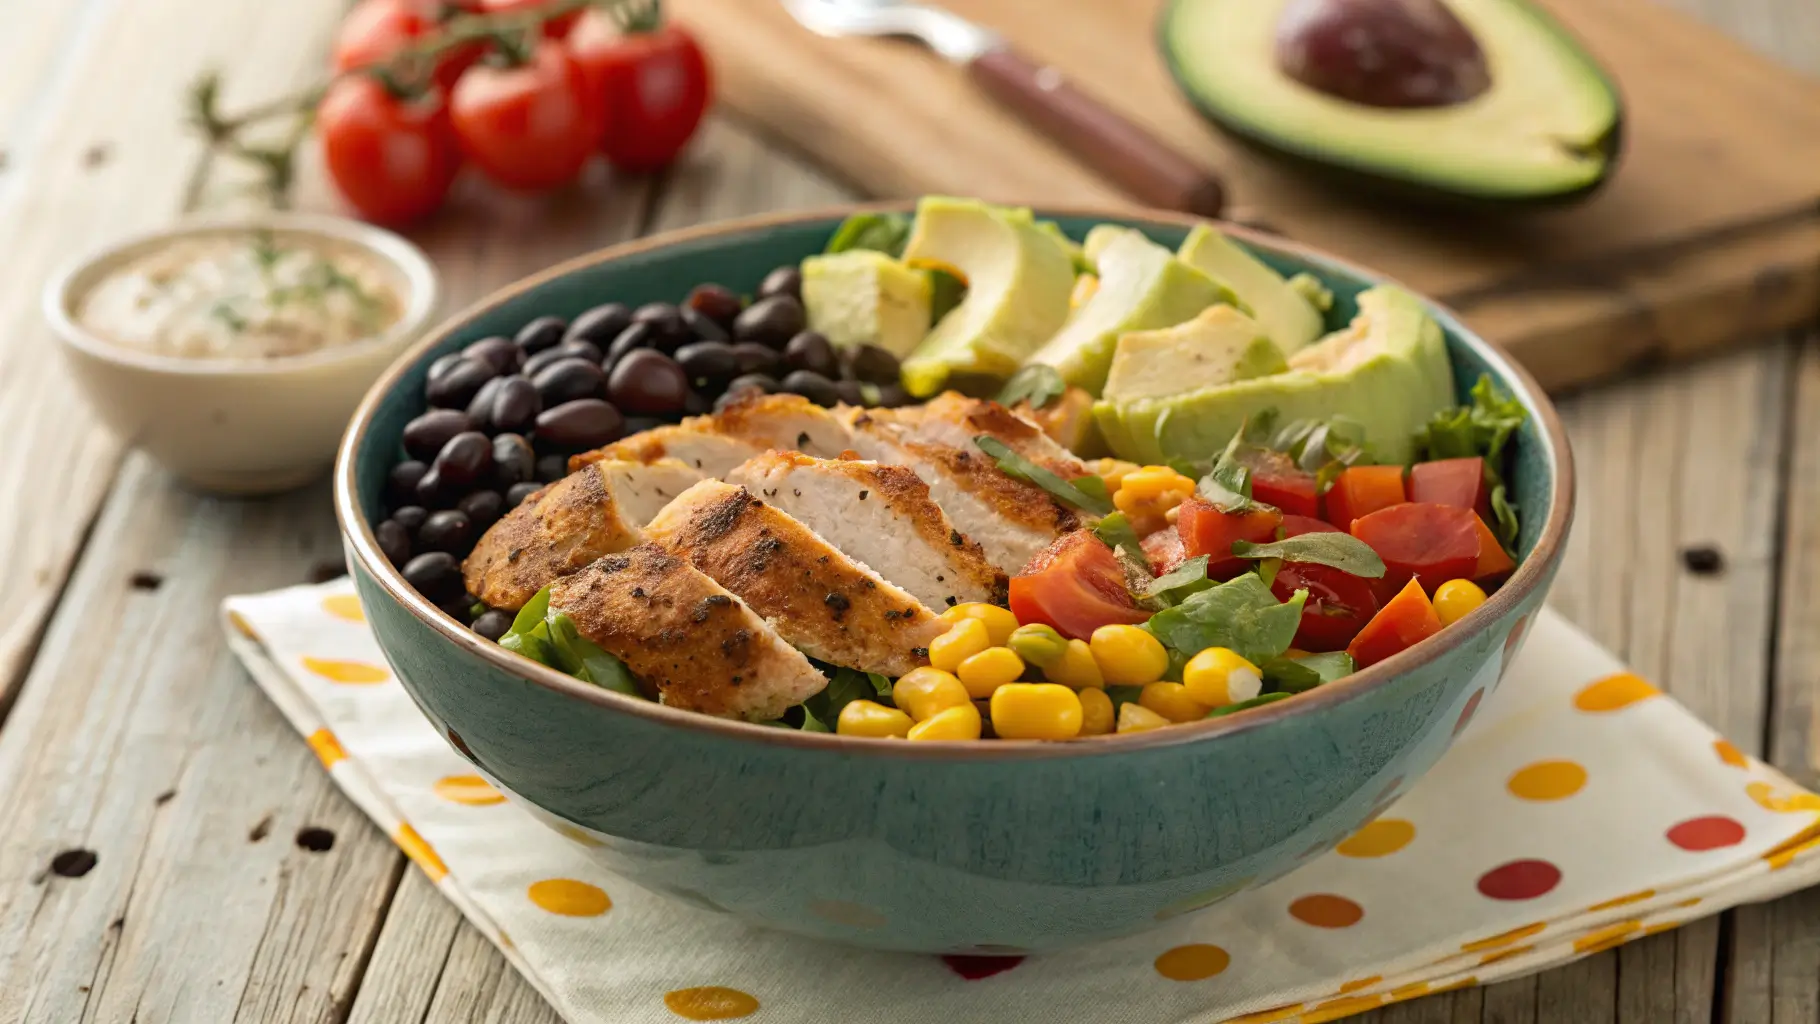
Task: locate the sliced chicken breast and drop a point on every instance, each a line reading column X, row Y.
column 954, row 420
column 882, row 516
column 827, row 605
column 693, row 442
column 715, row 444
column 568, row 524
column 690, row 643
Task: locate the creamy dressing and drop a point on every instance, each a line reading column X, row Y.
column 243, row 295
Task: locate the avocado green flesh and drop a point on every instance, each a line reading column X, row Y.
column 1546, row 127
column 1388, row 370
column 1290, row 319
column 865, row 297
column 1219, row 346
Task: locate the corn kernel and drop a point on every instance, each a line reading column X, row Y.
column 1147, row 494
column 1035, row 711
column 868, row 718
column 1038, row 644
column 1096, row 712
column 1456, row 599
column 988, row 670
column 963, row 640
column 1137, row 718
column 1128, row 656
column 960, row 722
column 1076, row 667
column 999, row 622
column 1113, row 471
column 927, row 692
column 1171, row 700
column 1217, row 677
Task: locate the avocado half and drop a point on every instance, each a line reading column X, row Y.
column 1547, row 129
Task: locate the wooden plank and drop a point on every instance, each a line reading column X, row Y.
column 479, row 987
column 420, row 928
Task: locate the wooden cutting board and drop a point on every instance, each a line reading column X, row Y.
column 1708, row 234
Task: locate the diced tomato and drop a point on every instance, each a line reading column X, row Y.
column 1164, row 550
column 1276, row 480
column 1076, row 585
column 1494, row 562
column 1339, row 604
column 1408, row 619
column 1459, row 482
column 1295, row 526
column 1433, row 543
column 1361, row 490
column 1207, row 529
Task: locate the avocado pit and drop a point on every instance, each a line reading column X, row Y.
column 1382, row 53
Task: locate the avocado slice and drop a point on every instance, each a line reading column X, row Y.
column 1291, row 320
column 1545, row 128
column 1018, row 279
column 865, row 297
column 1142, row 285
column 1388, row 370
column 1217, row 347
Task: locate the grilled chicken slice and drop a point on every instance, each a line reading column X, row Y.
column 1010, row 519
column 693, row 442
column 690, row 644
column 825, row 604
column 954, row 420
column 568, row 524
column 747, row 427
column 881, row 516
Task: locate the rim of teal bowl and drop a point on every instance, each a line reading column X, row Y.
column 1529, row 576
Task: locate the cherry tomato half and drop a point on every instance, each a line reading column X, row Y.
column 1339, row 604
column 1451, row 482
column 1209, row 530
column 1433, row 543
column 1405, row 620
column 1361, row 490
column 1277, row 480
column 1076, row 585
column 654, row 85
column 1163, row 549
column 1295, row 526
column 392, row 159
column 529, row 127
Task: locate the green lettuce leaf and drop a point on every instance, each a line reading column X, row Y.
column 1342, row 551
column 1484, row 428
column 549, row 637
column 1246, row 705
column 882, row 232
column 1038, row 383
column 1330, row 666
column 845, row 685
column 1242, row 615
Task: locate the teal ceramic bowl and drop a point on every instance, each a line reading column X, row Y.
column 994, row 847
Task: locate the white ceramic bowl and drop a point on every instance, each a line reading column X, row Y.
column 238, row 426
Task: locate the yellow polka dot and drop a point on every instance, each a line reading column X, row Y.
column 1466, row 982
column 1334, row 1009
column 1409, row 991
column 1606, row 938
column 1689, row 903
column 1547, row 780
column 851, row 915
column 711, row 1002
column 505, row 941
column 1801, row 842
column 1505, row 938
column 1503, row 954
column 570, row 898
column 1614, row 692
column 1269, row 1016
column 1378, row 839
column 1729, row 754
column 327, row 747
column 242, row 625
column 1192, row 962
column 344, row 606
column 576, row 835
column 1359, row 983
column 1621, row 901
column 419, row 851
column 1768, row 798
column 346, row 671
column 471, row 790
column 1659, row 928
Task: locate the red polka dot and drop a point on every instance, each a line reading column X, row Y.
column 1520, row 880
column 1709, row 833
column 1466, row 713
column 974, row 967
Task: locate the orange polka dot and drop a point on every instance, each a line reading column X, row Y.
column 852, row 915
column 346, row 671
column 1635, row 897
column 1689, row 903
column 1193, row 962
column 711, row 1002
column 1614, row 692
column 1801, row 842
column 570, row 898
column 1729, row 754
column 344, row 606
column 1269, row 1016
column 1358, row 983
column 1378, row 839
column 1659, row 928
column 1547, row 780
column 1503, row 954
column 1409, row 991
column 1505, row 938
column 1767, row 797
column 327, row 747
column 471, row 790
column 420, row 852
column 1466, row 982
column 1325, row 910
column 576, row 835
column 1606, row 938
column 1334, row 1009
column 241, row 625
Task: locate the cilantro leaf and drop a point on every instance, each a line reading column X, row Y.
column 1246, row 705
column 882, row 232
column 1016, row 466
column 1038, row 383
column 1093, row 486
column 1287, row 675
column 1228, row 483
column 1342, row 551
column 1242, row 615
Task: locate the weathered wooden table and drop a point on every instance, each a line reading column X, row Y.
column 150, row 797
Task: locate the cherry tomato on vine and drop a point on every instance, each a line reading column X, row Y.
column 375, row 30
column 530, row 126
column 555, row 28
column 393, row 159
column 654, row 82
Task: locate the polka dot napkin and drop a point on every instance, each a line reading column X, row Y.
column 1581, row 809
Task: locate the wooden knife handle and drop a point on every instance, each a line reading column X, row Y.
column 1143, row 165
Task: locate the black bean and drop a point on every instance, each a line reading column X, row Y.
column 811, row 385
column 551, row 468
column 631, row 339
column 708, row 362
column 850, row 392
column 401, row 481
column 436, row 575
column 696, row 404
column 449, row 530
column 648, row 383
column 569, row 379
column 541, row 333
column 892, row 396
column 601, row 324
column 751, row 357
column 461, row 609
column 517, row 493
column 480, row 410
column 425, row 435
column 483, row 508
column 785, row 280
column 497, row 352
column 584, row 423
column 701, row 327
column 811, row 351
column 394, row 541
column 661, row 315
column 411, row 517
column 465, row 460
column 515, row 406
column 514, row 461
column 872, row 364
column 442, row 365
column 492, row 624
column 715, row 302
column 434, row 492
column 455, row 389
column 567, row 350
column 638, row 424
column 773, row 321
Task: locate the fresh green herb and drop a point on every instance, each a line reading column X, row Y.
column 1014, row 465
column 1241, row 614
column 533, row 612
column 266, row 252
column 1123, row 695
column 1267, row 570
column 1093, row 486
column 1228, row 483
column 1038, row 383
column 1483, row 428
column 1115, row 529
column 1178, row 584
column 550, row 638
column 881, row 232
column 232, row 318
column 1246, row 705
column 845, row 685
column 1330, row 666
column 1342, row 551
column 1287, row 675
